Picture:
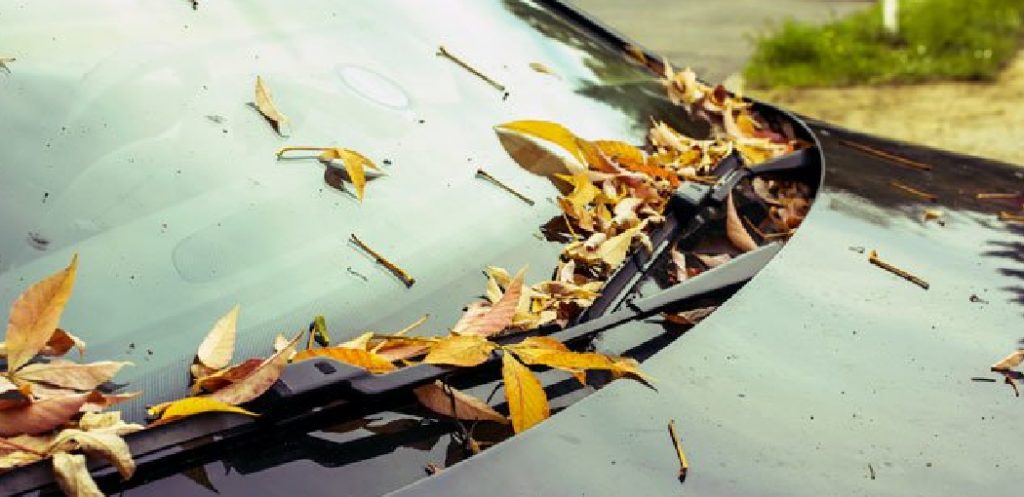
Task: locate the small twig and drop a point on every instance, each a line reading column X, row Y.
column 920, row 166
column 1013, row 218
column 913, row 191
column 684, row 465
column 996, row 196
column 397, row 271
column 983, row 380
column 283, row 150
column 503, row 186
column 873, row 259
column 442, row 51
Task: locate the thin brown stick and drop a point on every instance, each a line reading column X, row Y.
column 1013, row 218
column 913, row 191
column 485, row 175
column 873, row 259
column 903, row 161
column 397, row 271
column 684, row 465
column 442, row 51
column 996, row 196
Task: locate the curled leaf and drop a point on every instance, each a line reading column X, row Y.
column 36, row 314
column 73, row 476
column 266, row 107
column 448, row 401
column 734, row 229
column 527, row 402
column 493, row 320
column 66, row 374
column 259, row 381
column 548, row 131
column 40, row 416
column 460, row 350
column 219, row 345
column 107, row 443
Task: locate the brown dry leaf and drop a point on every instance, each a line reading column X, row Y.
column 40, row 416
column 496, row 318
column 219, row 345
column 73, row 476
column 261, row 379
column 691, row 317
column 460, row 350
column 61, row 342
column 355, row 166
column 105, row 442
column 712, row 261
column 220, row 379
column 735, row 230
column 527, row 402
column 435, row 396
column 66, row 374
column 532, row 156
column 359, row 358
column 190, row 406
column 548, row 131
column 36, row 314
column 266, row 107
column 1009, row 362
column 679, row 273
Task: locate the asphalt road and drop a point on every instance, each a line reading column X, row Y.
column 712, row 36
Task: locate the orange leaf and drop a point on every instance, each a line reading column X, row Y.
column 354, row 357
column 460, row 350
column 527, row 402
column 36, row 314
column 735, row 230
column 219, row 345
column 498, row 317
column 434, row 396
column 261, row 379
column 40, row 416
column 66, row 374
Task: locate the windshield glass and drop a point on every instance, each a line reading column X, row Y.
column 129, row 139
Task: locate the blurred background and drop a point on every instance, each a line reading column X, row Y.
column 944, row 73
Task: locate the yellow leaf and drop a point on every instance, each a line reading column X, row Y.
column 219, row 379
column 355, row 166
column 548, row 131
column 543, row 69
column 1009, row 362
column 734, row 229
column 36, row 314
column 11, row 460
column 613, row 250
column 66, row 374
column 583, row 191
column 195, row 405
column 354, row 357
column 219, row 345
column 441, row 398
column 460, row 350
column 266, row 107
column 73, row 476
column 527, row 402
column 260, row 380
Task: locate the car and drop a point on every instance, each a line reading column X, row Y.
column 852, row 360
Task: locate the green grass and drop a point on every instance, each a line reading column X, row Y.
column 938, row 39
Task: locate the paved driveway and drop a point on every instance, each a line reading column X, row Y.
column 712, row 36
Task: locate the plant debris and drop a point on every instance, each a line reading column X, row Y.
column 684, row 465
column 443, row 52
column 913, row 191
column 873, row 259
column 1011, row 218
column 3, row 64
column 266, row 106
column 903, row 161
column 484, row 174
column 354, row 163
column 543, row 69
column 383, row 261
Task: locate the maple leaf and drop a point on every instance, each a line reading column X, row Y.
column 359, row 358
column 735, row 230
column 448, row 401
column 73, row 476
column 218, row 347
column 40, row 416
column 265, row 105
column 259, row 381
column 36, row 314
column 527, row 402
column 493, row 320
column 460, row 350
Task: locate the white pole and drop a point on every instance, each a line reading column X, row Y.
column 890, row 16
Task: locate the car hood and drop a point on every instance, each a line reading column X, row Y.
column 824, row 375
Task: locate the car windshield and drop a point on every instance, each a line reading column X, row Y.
column 130, row 141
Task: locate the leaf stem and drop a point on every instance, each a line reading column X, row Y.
column 503, row 186
column 397, row 271
column 443, row 52
column 283, row 150
column 873, row 259
column 684, row 465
